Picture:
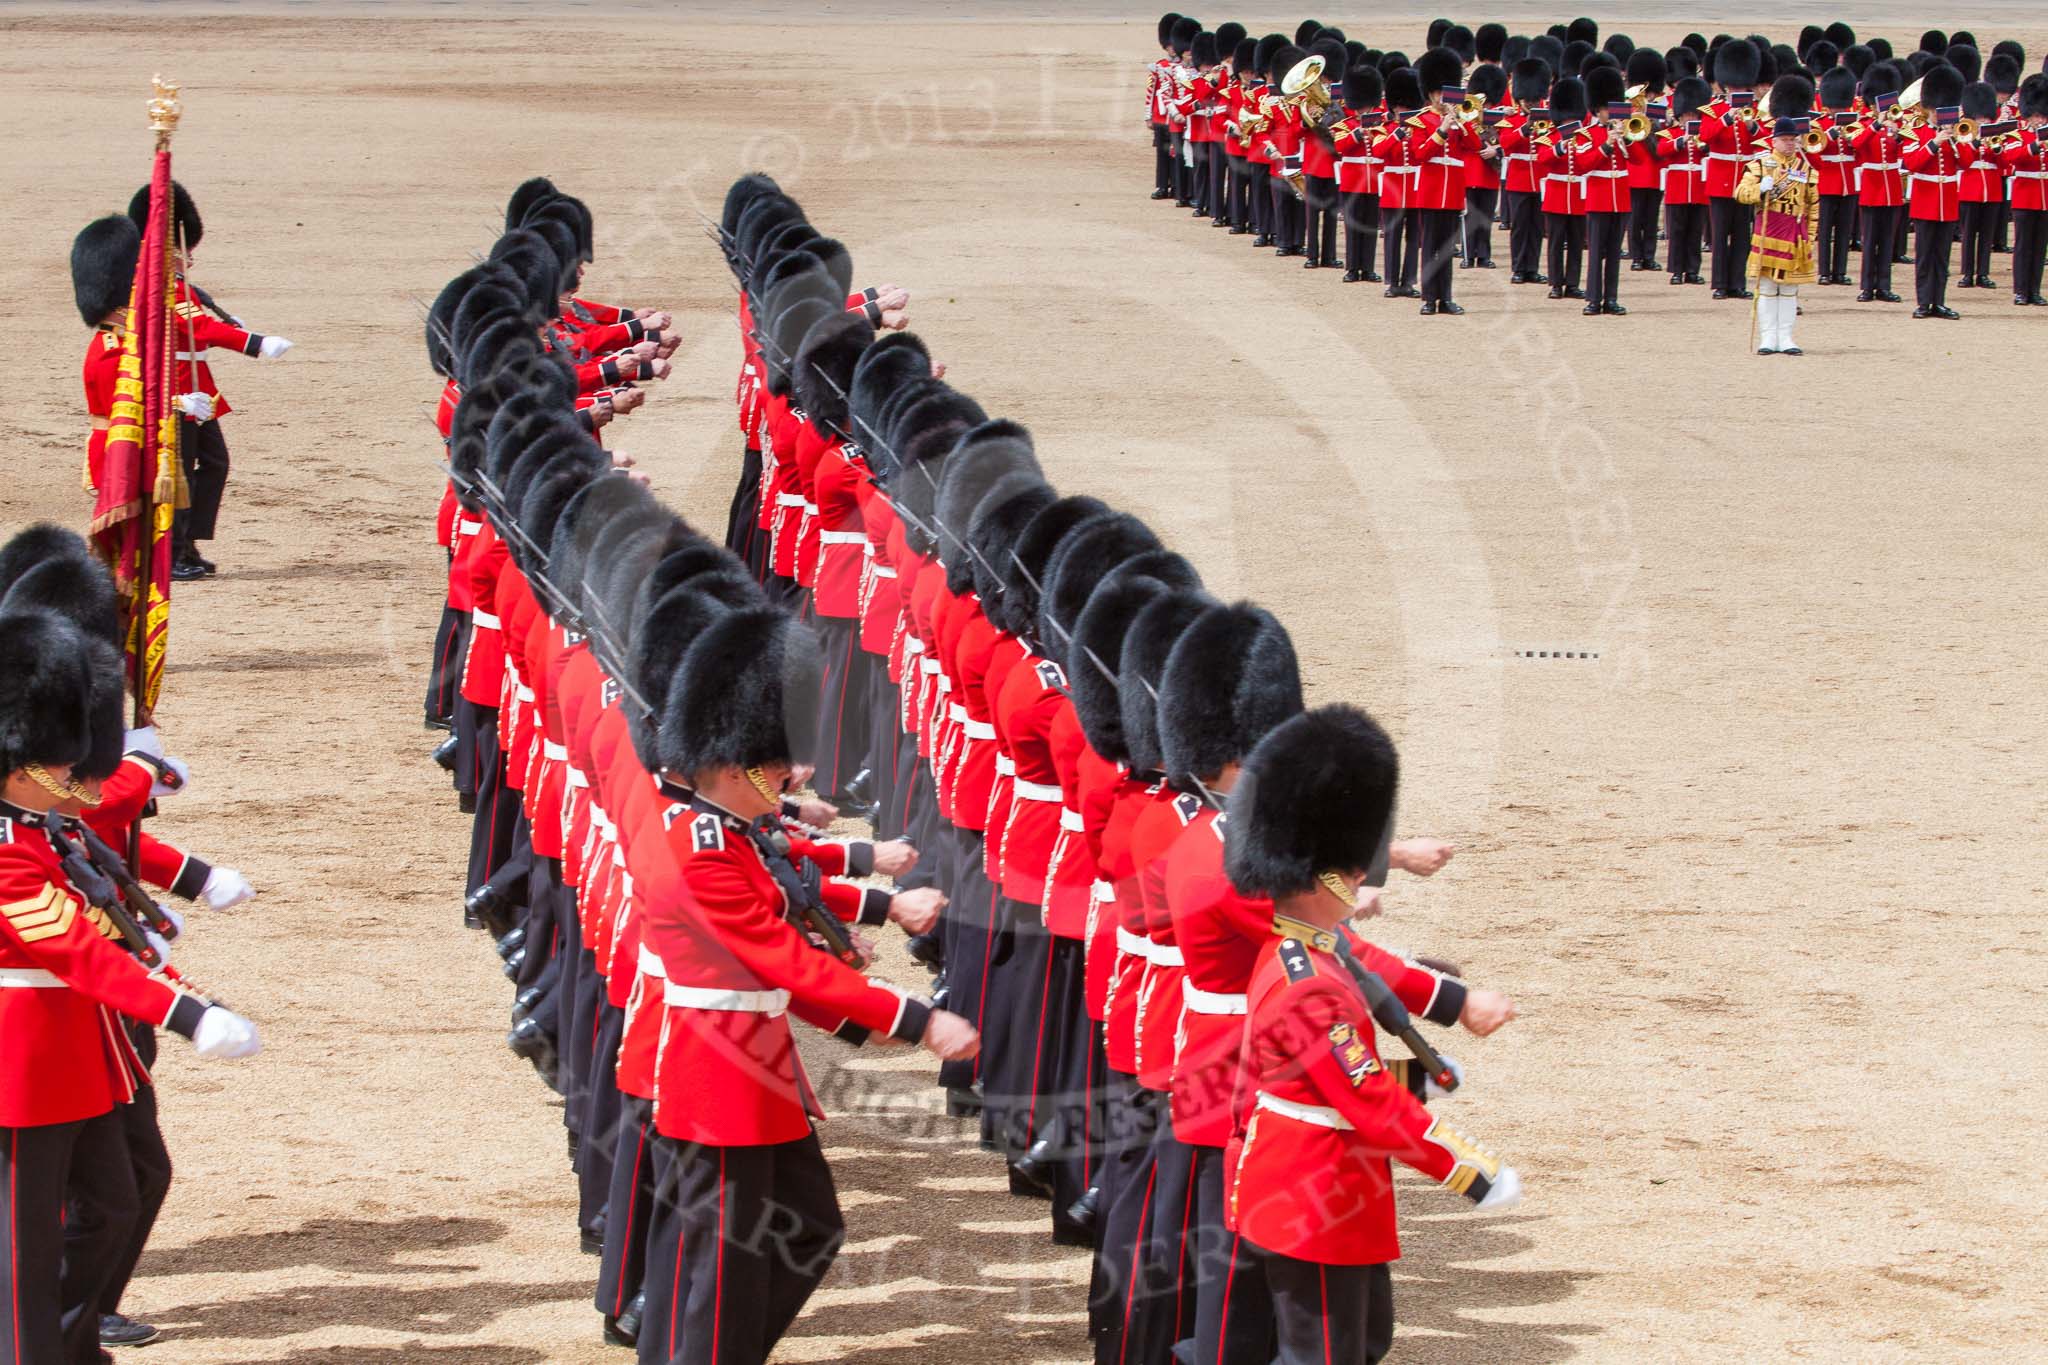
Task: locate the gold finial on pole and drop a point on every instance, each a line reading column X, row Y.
column 164, row 110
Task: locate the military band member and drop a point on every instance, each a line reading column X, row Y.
column 1438, row 147
column 1647, row 74
column 1880, row 182
column 2025, row 157
column 1399, row 183
column 1983, row 193
column 1731, row 129
column 1358, row 171
column 1158, row 91
column 1483, row 169
column 1835, row 165
column 1783, row 187
column 1522, row 197
column 1934, row 162
column 1607, row 193
column 102, row 280
column 1561, row 159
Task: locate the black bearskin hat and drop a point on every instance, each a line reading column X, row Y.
column 892, row 361
column 1203, row 51
column 999, row 519
column 1284, row 60
column 107, row 713
column 785, row 333
column 2034, row 96
column 1604, row 85
column 1737, row 65
column 1084, row 558
column 1881, row 49
column 1575, row 57
column 35, row 544
column 103, row 266
column 1232, row 677
column 1822, row 56
column 76, row 587
column 2010, row 47
column 1025, row 575
column 983, row 457
column 1646, row 66
column 1840, row 34
column 1438, row 68
column 45, row 691
column 186, row 229
column 744, row 695
column 1262, row 55
column 1436, row 31
column 1167, row 23
column 1808, row 36
column 1184, row 34
column 1881, row 79
column 1549, row 51
column 1363, row 88
column 743, row 192
column 1980, row 101
column 1489, row 42
column 1317, row 795
column 1791, row 97
column 1404, row 89
column 664, row 634
column 1620, row 47
column 1244, row 58
column 2002, row 72
column 1490, row 83
column 1228, row 36
column 1837, row 87
column 441, row 320
column 1689, row 96
column 1515, row 49
column 1530, row 82
column 1152, row 635
column 1941, row 87
column 1934, row 41
column 825, row 362
column 1305, row 32
column 530, row 195
column 1965, row 60
column 1098, row 644
column 1568, row 99
column 1335, row 60
column 1582, row 30
column 1459, row 39
column 1680, row 62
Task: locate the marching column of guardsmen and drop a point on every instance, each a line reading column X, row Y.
column 1589, row 153
column 85, row 974
column 1135, row 864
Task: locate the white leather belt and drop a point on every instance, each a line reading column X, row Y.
column 29, row 978
column 2030, row 175
column 523, row 692
column 1070, row 820
column 978, row 729
column 1035, row 791
column 1607, row 175
column 1839, row 160
column 1405, row 170
column 928, row 665
column 1728, row 156
column 1565, row 179
column 192, row 355
column 1005, row 766
column 1200, row 1001
column 1103, row 891
column 1319, row 1114
column 945, row 683
column 718, row 998
column 912, row 645
column 650, row 964
column 1353, row 160
column 789, row 500
column 810, row 508
column 469, row 528
column 1937, row 179
column 550, row 749
column 1879, row 166
column 1136, row 945
column 577, row 779
column 844, row 538
column 1522, row 156
column 956, row 713
column 484, row 619
column 882, row 570
column 1447, row 161
column 1167, row 955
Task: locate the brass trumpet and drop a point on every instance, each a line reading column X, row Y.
column 1636, row 127
column 1966, row 130
column 1814, row 141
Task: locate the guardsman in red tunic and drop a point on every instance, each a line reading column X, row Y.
column 1236, row 211
column 1647, row 73
column 1483, row 167
column 102, row 279
column 201, row 326
column 1281, row 138
column 1319, row 1117
column 1319, row 164
column 1934, row 160
column 1358, row 171
column 1607, row 192
column 1983, row 193
column 1529, row 87
column 2026, row 163
column 1561, row 159
column 1399, row 175
column 1158, row 89
column 1438, row 146
column 67, row 1064
column 1880, row 182
column 756, row 1223
column 1734, row 133
column 1681, row 156
column 1253, row 115
column 1836, row 165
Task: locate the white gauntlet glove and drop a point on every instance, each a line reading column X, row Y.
column 181, row 778
column 273, row 347
column 197, row 406
column 225, row 1034
column 225, row 889
column 143, row 741
column 1769, row 183
column 177, row 920
column 1504, row 1193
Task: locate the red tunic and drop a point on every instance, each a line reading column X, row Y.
column 1936, row 170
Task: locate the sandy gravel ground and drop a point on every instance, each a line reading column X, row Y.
column 1765, row 876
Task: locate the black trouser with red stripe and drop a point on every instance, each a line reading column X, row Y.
column 51, row 1285
column 1165, row 1309
column 203, row 450
column 1237, row 191
column 742, row 518
column 497, row 805
column 1060, row 1105
column 742, row 1235
column 1330, row 1314
column 1361, row 215
column 630, row 1210
column 843, row 711
column 151, row 1162
column 1480, row 206
column 1233, row 1311
column 1837, row 223
column 1125, row 1179
column 1289, row 215
column 1728, row 230
column 968, row 938
column 1440, row 228
column 2029, row 245
column 602, row 1124
column 1162, row 158
column 1009, row 1026
column 444, row 680
column 1878, row 227
column 1974, row 232
column 1643, row 208
column 1402, row 244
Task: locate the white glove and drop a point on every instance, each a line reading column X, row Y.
column 273, row 347
column 1432, row 1091
column 156, row 941
column 197, row 406
column 160, row 787
column 223, row 1033
column 143, row 741
column 225, row 889
column 177, row 920
column 1504, row 1193
column 1768, row 183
